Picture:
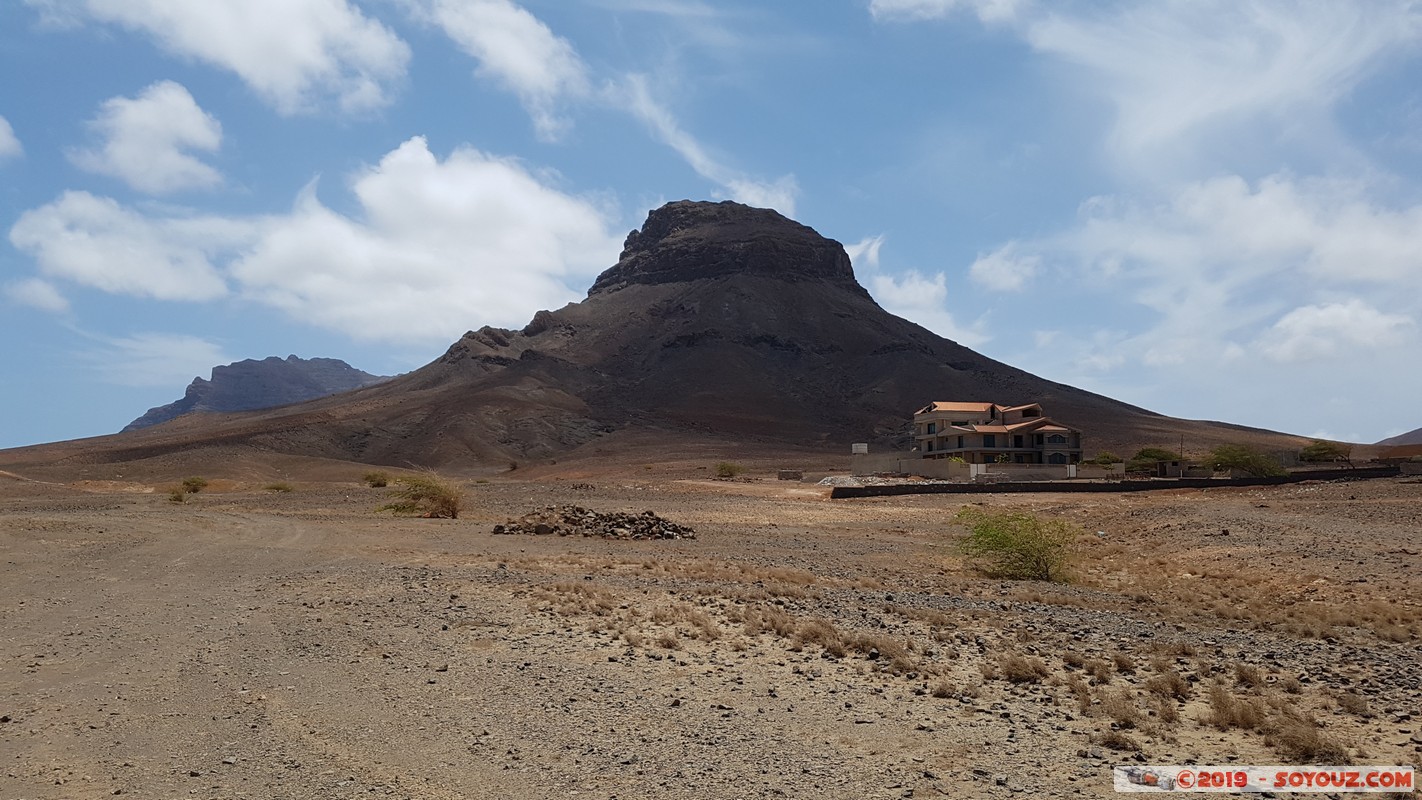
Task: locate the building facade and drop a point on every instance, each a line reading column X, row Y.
column 988, row 433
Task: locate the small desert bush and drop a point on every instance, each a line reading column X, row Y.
column 1124, row 663
column 280, row 486
column 376, row 480
column 178, row 496
column 1011, row 544
column 728, row 469
column 944, row 689
column 425, row 495
column 194, row 484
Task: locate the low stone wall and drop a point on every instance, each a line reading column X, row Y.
column 844, row 492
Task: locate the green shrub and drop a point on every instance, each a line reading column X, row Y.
column 1145, row 459
column 1321, row 450
column 1106, row 458
column 376, row 480
column 178, row 496
column 727, row 469
column 194, row 484
column 1012, row 544
column 425, row 495
column 1246, row 459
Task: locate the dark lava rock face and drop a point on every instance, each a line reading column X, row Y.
column 689, row 240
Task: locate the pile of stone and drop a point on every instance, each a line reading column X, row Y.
column 579, row 521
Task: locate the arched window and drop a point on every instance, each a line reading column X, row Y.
column 1056, row 438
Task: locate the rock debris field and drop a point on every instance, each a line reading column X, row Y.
column 579, row 521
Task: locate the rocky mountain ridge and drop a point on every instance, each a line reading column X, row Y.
column 251, row 384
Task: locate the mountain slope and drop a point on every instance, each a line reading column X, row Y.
column 1411, row 437
column 719, row 322
column 250, row 384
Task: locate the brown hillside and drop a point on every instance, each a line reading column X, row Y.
column 719, row 323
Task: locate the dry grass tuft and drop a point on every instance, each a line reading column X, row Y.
column 822, row 633
column 1120, row 707
column 1302, row 741
column 1228, row 711
column 769, row 618
column 1017, row 668
column 426, row 495
column 1353, row 703
column 1246, row 675
column 1118, row 741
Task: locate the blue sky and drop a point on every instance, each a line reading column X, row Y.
column 1210, row 209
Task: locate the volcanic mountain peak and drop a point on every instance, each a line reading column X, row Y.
column 691, row 240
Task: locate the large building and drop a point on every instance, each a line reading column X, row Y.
column 988, row 433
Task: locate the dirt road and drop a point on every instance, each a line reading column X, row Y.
column 258, row 644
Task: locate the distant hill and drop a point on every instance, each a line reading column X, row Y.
column 250, row 385
column 1411, row 437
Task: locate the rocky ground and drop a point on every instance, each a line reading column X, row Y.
column 253, row 643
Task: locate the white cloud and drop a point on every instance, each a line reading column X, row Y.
column 1004, row 269
column 1320, row 332
column 37, row 293
column 923, row 300
column 98, row 243
column 294, row 53
column 864, row 254
column 987, row 10
column 9, row 143
column 154, row 359
column 1181, row 72
column 1230, row 272
column 779, row 194
column 439, row 247
column 1227, row 233
column 1195, row 80
column 516, row 50
column 145, row 140
column 442, row 247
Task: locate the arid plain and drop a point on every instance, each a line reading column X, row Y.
column 258, row 643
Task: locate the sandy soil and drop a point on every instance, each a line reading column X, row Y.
column 258, row 644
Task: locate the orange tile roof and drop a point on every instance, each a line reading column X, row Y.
column 937, row 406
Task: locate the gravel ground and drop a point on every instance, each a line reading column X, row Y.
column 256, row 644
